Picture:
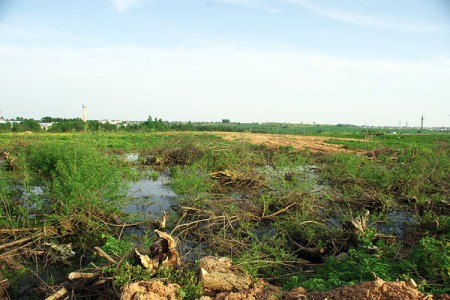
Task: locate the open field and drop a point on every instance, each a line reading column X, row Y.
column 295, row 211
column 299, row 142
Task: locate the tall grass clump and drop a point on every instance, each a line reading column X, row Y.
column 82, row 185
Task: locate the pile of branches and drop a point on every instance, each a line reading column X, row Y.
column 167, row 157
column 16, row 243
column 224, row 232
column 228, row 179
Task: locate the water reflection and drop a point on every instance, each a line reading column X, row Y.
column 149, row 198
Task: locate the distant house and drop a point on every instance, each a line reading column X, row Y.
column 45, row 126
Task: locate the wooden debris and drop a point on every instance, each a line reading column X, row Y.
column 146, row 261
column 227, row 178
column 105, row 255
column 3, row 286
column 64, row 249
column 162, row 222
column 219, row 275
column 81, row 275
column 358, row 227
column 162, row 252
column 60, row 293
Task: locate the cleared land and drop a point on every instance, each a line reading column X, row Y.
column 299, row 142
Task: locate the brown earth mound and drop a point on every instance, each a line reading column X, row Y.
column 374, row 290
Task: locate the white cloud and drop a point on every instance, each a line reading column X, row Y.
column 123, row 5
column 365, row 20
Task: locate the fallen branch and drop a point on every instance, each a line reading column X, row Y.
column 80, row 275
column 60, row 293
column 51, row 229
column 105, row 255
column 16, row 242
column 278, row 212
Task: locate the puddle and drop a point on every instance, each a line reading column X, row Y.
column 306, row 176
column 149, row 198
column 398, row 223
column 131, row 157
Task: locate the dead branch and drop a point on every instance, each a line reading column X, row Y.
column 16, row 242
column 51, row 229
column 60, row 293
column 80, row 275
column 105, row 255
column 278, row 212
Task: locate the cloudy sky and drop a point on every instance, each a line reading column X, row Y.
column 374, row 62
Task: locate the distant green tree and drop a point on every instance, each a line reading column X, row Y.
column 26, row 125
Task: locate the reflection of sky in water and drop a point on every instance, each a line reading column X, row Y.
column 150, row 197
column 398, row 223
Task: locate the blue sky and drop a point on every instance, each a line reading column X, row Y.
column 374, row 62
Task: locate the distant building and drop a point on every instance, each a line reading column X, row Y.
column 45, row 126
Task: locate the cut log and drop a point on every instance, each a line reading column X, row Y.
column 219, row 275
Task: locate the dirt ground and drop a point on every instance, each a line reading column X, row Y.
column 301, row 142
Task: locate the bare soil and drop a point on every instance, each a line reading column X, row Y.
column 300, row 142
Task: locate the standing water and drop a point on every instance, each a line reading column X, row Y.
column 149, row 198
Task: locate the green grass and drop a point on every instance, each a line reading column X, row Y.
column 303, row 201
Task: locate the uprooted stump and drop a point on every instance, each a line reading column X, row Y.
column 219, row 275
column 157, row 289
column 162, row 252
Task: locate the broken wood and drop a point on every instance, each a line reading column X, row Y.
column 3, row 286
column 230, row 179
column 146, row 261
column 60, row 293
column 52, row 230
column 162, row 252
column 16, row 242
column 81, row 275
column 105, row 255
column 357, row 227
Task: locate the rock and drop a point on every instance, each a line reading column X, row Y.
column 150, row 290
column 219, row 275
column 342, row 256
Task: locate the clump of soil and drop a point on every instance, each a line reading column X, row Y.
column 261, row 290
column 150, row 290
column 374, row 290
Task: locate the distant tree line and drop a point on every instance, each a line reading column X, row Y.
column 154, row 124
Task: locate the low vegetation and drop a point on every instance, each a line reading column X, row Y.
column 292, row 217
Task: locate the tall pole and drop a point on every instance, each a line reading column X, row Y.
column 421, row 122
